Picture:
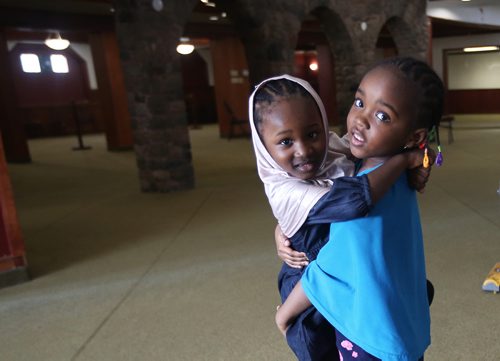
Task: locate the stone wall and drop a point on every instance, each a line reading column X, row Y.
column 268, row 30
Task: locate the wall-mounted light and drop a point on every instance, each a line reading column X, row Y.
column 313, row 66
column 208, row 3
column 480, row 48
column 185, row 47
column 55, row 42
column 157, row 5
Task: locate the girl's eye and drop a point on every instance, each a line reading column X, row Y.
column 358, row 103
column 382, row 116
column 313, row 135
column 285, row 142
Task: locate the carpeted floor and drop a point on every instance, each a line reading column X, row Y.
column 122, row 275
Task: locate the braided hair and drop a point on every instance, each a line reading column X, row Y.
column 429, row 86
column 273, row 91
column 430, row 90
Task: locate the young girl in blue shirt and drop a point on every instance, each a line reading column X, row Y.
column 307, row 174
column 369, row 280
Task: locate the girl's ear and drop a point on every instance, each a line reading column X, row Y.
column 416, row 138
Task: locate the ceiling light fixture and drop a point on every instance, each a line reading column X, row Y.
column 157, row 5
column 480, row 48
column 184, row 47
column 55, row 42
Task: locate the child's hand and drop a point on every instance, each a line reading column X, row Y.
column 418, row 177
column 417, row 174
column 287, row 254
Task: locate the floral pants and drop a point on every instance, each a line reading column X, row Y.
column 349, row 351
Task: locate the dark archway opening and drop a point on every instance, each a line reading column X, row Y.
column 215, row 74
column 314, row 62
column 385, row 46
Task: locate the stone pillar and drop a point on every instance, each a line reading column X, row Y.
column 269, row 33
column 345, row 60
column 151, row 66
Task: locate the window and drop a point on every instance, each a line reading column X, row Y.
column 59, row 63
column 30, row 63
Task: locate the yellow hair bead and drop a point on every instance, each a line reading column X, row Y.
column 426, row 159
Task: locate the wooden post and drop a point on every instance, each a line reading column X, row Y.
column 12, row 253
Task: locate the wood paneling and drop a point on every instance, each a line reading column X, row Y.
column 112, row 92
column 12, row 252
column 231, row 82
column 48, row 88
column 473, row 101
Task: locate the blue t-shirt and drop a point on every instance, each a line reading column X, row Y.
column 369, row 280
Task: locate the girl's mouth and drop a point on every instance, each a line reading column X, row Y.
column 357, row 139
column 305, row 167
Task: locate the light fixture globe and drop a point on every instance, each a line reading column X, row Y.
column 55, row 42
column 185, row 48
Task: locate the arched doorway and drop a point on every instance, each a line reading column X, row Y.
column 385, row 46
column 397, row 37
column 314, row 62
column 335, row 53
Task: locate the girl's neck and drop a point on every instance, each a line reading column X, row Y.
column 368, row 163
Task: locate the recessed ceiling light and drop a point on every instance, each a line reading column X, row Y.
column 480, row 48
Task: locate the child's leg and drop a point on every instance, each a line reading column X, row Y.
column 296, row 303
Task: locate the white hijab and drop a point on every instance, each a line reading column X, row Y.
column 291, row 199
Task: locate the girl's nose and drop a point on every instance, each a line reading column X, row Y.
column 362, row 121
column 302, row 149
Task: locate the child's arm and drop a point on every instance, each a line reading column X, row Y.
column 286, row 253
column 353, row 197
column 296, row 303
column 382, row 178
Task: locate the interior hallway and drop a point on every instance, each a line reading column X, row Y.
column 123, row 275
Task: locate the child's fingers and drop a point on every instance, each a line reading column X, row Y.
column 296, row 260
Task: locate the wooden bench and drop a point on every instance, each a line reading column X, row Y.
column 235, row 122
column 447, row 122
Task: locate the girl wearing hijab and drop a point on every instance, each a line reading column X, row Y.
column 307, row 173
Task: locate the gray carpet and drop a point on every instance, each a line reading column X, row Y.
column 122, row 275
